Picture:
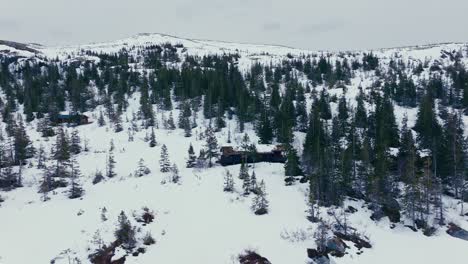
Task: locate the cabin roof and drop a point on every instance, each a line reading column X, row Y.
column 261, row 148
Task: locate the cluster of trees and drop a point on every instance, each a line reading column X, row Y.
column 358, row 150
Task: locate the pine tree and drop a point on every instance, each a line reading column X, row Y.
column 125, row 232
column 211, row 146
column 75, row 143
column 101, row 120
column 253, row 183
column 192, row 158
column 45, row 186
column 76, row 190
column 260, row 203
column 22, row 144
column 170, row 122
column 118, row 123
column 142, row 170
column 291, row 167
column 228, row 182
column 62, row 146
column 265, row 131
column 110, row 173
column 360, row 116
column 175, row 174
column 164, row 163
column 152, row 141
column 246, row 183
column 41, row 157
column 187, row 127
column 243, row 172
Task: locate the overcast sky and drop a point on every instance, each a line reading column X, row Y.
column 309, row 24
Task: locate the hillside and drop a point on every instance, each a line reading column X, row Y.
column 361, row 132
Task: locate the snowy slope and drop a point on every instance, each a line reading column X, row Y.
column 196, row 222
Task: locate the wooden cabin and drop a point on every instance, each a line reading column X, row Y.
column 230, row 156
column 74, row 119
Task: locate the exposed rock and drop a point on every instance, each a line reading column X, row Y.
column 377, row 214
column 105, row 255
column 351, row 210
column 429, row 231
column 304, row 179
column 251, row 257
column 457, row 231
column 289, row 180
column 391, row 208
column 261, row 211
column 420, row 223
column 355, row 238
column 318, row 257
column 336, row 247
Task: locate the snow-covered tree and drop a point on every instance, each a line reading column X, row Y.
column 192, row 158
column 110, row 165
column 76, row 190
column 75, row 143
column 125, row 232
column 175, row 177
column 41, row 157
column 152, row 140
column 260, row 203
column 211, row 146
column 101, row 120
column 253, row 182
column 164, row 162
column 246, row 184
column 142, row 169
column 228, row 182
column 170, row 122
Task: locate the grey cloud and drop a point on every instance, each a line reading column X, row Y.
column 309, row 24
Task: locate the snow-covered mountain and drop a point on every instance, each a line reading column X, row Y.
column 195, row 221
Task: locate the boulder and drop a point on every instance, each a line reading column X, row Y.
column 350, row 210
column 317, row 256
column 261, row 211
column 355, row 238
column 420, row 223
column 391, row 208
column 457, row 231
column 251, row 257
column 336, row 247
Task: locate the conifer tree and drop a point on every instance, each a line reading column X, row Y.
column 211, row 146
column 265, row 131
column 291, row 167
column 152, row 141
column 110, row 165
column 170, row 122
column 228, row 182
column 246, row 184
column 62, row 146
column 175, row 178
column 75, row 143
column 192, row 158
column 253, row 182
column 41, row 157
column 22, row 144
column 164, row 163
column 125, row 232
column 142, row 170
column 76, row 190
column 101, row 120
column 260, row 203
column 243, row 172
